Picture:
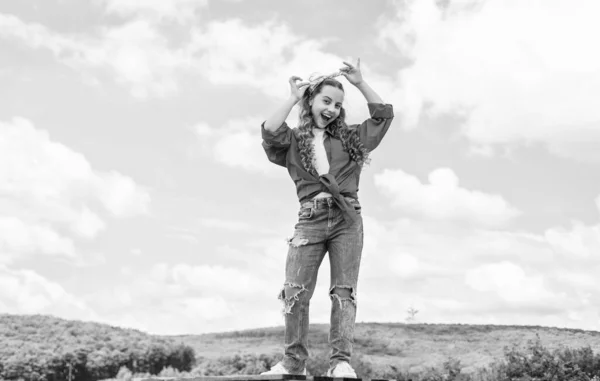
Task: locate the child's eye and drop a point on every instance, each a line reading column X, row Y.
column 326, row 102
column 338, row 107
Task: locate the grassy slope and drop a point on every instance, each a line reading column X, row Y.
column 406, row 346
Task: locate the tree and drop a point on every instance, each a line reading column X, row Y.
column 182, row 358
column 411, row 313
column 157, row 358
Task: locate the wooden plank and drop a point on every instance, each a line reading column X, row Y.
column 239, row 377
column 242, row 377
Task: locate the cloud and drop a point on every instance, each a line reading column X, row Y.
column 180, row 11
column 260, row 56
column 449, row 272
column 443, row 199
column 231, row 225
column 224, row 281
column 202, row 130
column 580, row 241
column 464, row 274
column 27, row 292
column 200, row 298
column 139, row 54
column 18, row 237
column 510, row 282
column 120, row 194
column 513, row 85
column 405, row 265
column 135, row 53
column 237, row 143
column 50, row 195
column 88, row 224
column 264, row 56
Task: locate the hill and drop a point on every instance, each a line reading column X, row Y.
column 46, row 347
column 406, row 346
column 385, row 347
column 48, row 334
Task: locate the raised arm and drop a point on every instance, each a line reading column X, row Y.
column 354, row 76
column 370, row 95
column 297, row 89
column 372, row 130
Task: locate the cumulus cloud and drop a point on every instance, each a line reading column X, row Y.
column 580, row 241
column 135, row 53
column 473, row 275
column 139, row 55
column 120, row 194
column 231, row 225
column 443, row 198
column 264, row 56
column 405, row 265
column 27, row 292
column 217, row 280
column 18, row 237
column 449, row 273
column 261, row 56
column 519, row 84
column 180, row 11
column 237, row 143
column 50, row 195
column 201, row 298
column 510, row 282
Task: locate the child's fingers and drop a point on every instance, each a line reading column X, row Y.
column 350, row 66
column 293, row 79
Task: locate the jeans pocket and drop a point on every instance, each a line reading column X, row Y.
column 356, row 205
column 305, row 213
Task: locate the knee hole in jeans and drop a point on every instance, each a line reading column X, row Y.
column 343, row 293
column 290, row 294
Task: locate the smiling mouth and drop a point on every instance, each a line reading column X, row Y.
column 326, row 117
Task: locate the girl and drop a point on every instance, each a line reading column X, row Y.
column 324, row 156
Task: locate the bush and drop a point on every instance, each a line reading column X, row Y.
column 539, row 363
column 237, row 364
column 450, row 371
column 124, row 374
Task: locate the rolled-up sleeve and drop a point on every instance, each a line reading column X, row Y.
column 276, row 143
column 372, row 130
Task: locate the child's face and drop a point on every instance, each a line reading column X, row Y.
column 326, row 105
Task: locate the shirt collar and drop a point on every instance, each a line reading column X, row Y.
column 328, row 129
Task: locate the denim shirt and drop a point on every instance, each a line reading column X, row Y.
column 281, row 147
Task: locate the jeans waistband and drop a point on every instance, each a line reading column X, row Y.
column 322, row 202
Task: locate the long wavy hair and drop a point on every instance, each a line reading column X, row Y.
column 349, row 137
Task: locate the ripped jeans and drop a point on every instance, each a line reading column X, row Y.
column 320, row 229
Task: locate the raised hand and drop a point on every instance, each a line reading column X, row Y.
column 352, row 72
column 297, row 89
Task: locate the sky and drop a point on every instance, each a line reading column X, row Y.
column 134, row 190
